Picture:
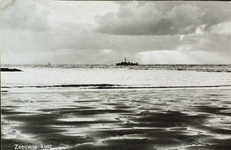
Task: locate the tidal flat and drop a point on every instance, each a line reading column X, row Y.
column 134, row 119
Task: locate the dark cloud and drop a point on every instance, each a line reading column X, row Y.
column 157, row 19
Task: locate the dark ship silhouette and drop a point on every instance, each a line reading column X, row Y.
column 125, row 63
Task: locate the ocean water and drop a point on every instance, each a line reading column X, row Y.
column 111, row 76
column 146, row 107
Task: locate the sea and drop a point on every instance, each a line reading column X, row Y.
column 78, row 107
column 111, row 76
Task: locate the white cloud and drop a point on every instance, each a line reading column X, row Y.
column 222, row 28
column 150, row 19
column 183, row 57
column 39, row 31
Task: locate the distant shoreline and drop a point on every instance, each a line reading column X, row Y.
column 10, row 70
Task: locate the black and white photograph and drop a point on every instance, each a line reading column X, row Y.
column 115, row 75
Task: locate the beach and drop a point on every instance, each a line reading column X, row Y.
column 101, row 113
column 115, row 75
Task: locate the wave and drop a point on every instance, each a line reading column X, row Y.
column 115, row 86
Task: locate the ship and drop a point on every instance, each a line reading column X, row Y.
column 125, row 63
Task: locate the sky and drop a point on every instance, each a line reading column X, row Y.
column 104, row 32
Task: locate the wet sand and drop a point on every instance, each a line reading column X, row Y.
column 192, row 119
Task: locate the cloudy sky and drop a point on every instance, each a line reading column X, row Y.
column 104, row 32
